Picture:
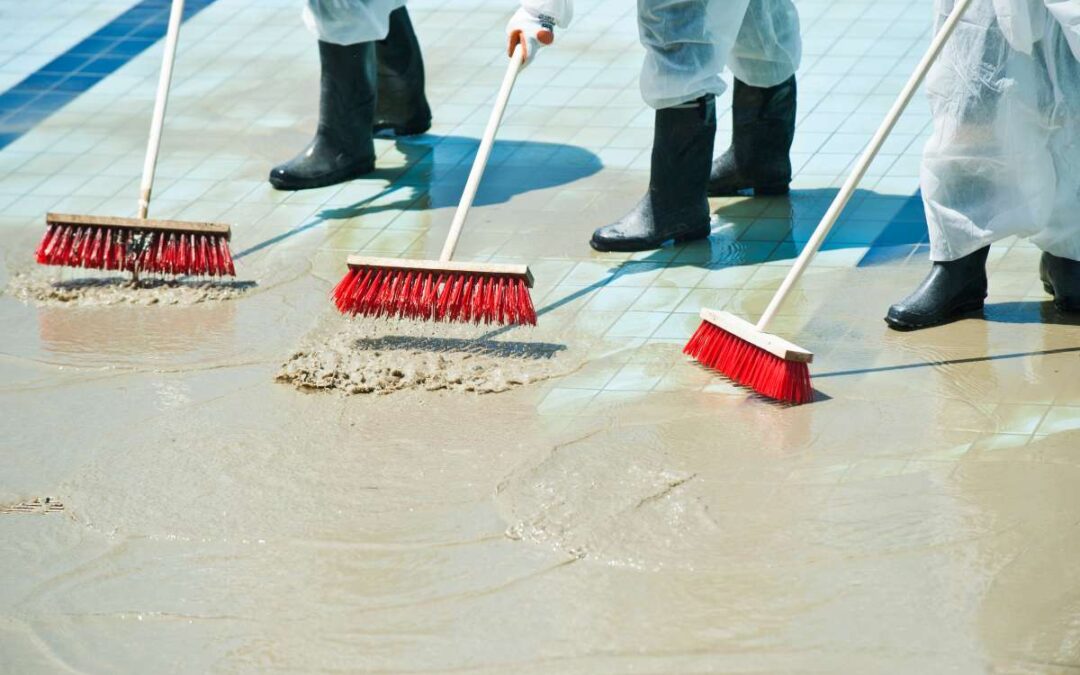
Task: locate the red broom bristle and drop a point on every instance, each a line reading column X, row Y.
column 750, row 365
column 423, row 295
column 111, row 248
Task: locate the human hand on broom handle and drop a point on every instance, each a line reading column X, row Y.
column 767, row 363
column 528, row 29
column 533, row 25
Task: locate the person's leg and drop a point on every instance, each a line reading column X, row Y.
column 986, row 171
column 342, row 148
column 764, row 59
column 686, row 44
column 675, row 206
column 402, row 106
column 1060, row 238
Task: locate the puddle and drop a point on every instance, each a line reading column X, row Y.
column 46, row 290
column 382, row 357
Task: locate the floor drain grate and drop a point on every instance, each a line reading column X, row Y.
column 46, row 505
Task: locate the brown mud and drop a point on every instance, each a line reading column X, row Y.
column 381, row 357
column 48, row 290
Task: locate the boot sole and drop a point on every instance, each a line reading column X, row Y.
column 961, row 312
column 414, row 130
column 636, row 246
column 1062, row 306
column 293, row 184
column 762, row 191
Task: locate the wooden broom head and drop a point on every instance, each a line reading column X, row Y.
column 358, row 262
column 770, row 365
column 73, row 220
column 431, row 290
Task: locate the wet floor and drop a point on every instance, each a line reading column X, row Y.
column 166, row 505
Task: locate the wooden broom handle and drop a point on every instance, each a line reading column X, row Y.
column 871, row 151
column 154, row 144
column 482, row 154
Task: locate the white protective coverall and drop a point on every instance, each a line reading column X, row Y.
column 1004, row 157
column 688, row 43
column 347, row 22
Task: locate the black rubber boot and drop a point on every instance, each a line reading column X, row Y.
column 342, row 148
column 762, row 130
column 402, row 108
column 676, row 206
column 952, row 289
column 1061, row 279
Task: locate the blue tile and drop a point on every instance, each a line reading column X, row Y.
column 114, row 30
column 13, row 100
column 78, row 83
column 68, row 63
column 104, row 65
column 130, row 46
column 22, row 120
column 50, row 101
column 93, row 46
column 39, row 82
column 151, row 30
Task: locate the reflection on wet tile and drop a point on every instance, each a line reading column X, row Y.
column 1060, row 419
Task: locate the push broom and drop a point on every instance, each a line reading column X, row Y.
column 444, row 289
column 767, row 363
column 170, row 247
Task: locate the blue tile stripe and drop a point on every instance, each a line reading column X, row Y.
column 60, row 81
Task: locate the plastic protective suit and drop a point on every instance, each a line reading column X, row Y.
column 688, row 43
column 1004, row 157
column 348, row 22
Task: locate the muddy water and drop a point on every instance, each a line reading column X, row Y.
column 216, row 520
column 381, row 357
column 166, row 505
column 49, row 289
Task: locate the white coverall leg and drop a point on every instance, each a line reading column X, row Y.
column 688, row 43
column 348, row 22
column 1004, row 157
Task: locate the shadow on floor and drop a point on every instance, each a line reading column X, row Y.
column 1031, row 311
column 435, row 171
column 890, row 227
column 949, row 362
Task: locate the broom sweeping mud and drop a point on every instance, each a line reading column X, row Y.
column 443, row 289
column 137, row 245
column 766, row 363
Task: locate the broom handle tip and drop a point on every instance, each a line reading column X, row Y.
column 867, row 157
column 482, row 154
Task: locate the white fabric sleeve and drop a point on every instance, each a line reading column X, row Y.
column 560, row 10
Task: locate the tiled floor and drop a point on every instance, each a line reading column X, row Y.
column 572, row 155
